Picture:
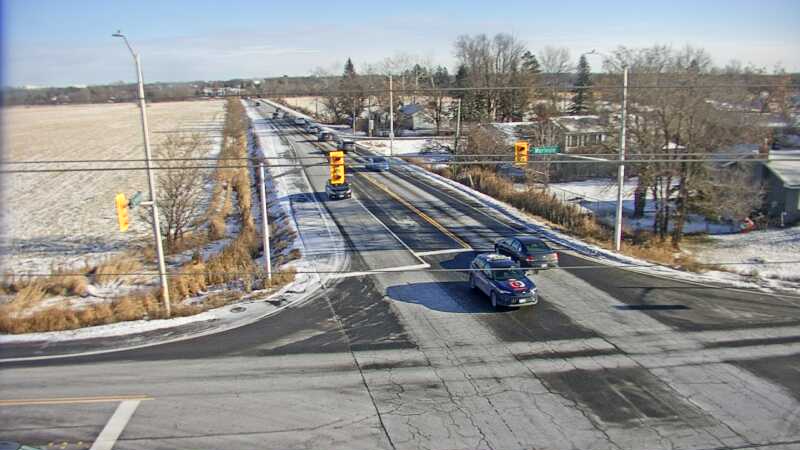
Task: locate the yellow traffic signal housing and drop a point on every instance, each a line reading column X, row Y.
column 337, row 167
column 122, row 212
column 521, row 153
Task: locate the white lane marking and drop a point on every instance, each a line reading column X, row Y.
column 446, row 251
column 108, row 437
column 378, row 271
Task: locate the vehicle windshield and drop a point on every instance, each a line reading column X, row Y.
column 536, row 246
column 378, row 160
column 507, row 274
column 339, row 187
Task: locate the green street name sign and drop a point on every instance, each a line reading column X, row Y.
column 544, row 150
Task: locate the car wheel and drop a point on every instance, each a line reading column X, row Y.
column 493, row 297
column 472, row 284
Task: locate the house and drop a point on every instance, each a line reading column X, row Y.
column 574, row 133
column 413, row 117
column 782, row 180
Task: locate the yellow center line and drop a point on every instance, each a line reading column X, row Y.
column 69, row 400
column 416, row 211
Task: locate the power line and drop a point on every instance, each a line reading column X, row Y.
column 384, row 271
column 258, row 159
column 432, row 163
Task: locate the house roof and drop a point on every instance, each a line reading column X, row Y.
column 788, row 168
column 581, row 124
column 411, row 109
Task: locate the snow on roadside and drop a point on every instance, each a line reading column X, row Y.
column 321, row 245
column 606, row 256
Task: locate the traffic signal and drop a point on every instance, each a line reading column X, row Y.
column 122, row 212
column 521, row 153
column 337, row 167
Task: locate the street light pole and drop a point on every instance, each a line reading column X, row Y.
column 162, row 271
column 621, row 170
column 391, row 118
column 621, row 167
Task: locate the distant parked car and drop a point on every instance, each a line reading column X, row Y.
column 299, row 121
column 347, row 145
column 502, row 280
column 512, row 172
column 528, row 251
column 338, row 191
column 275, row 115
column 377, row 163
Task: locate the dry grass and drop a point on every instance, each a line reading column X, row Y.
column 118, row 270
column 132, row 307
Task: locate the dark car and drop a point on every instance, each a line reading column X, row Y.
column 377, row 163
column 502, row 280
column 529, row 251
column 338, row 191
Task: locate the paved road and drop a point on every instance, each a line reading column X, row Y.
column 414, row 359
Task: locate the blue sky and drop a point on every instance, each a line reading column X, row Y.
column 50, row 42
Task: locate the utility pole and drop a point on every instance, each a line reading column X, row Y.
column 264, row 220
column 458, row 127
column 621, row 170
column 162, row 270
column 354, row 116
column 391, row 118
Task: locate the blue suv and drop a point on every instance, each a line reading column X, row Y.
column 502, row 280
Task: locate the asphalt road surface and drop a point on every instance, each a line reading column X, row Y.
column 410, row 359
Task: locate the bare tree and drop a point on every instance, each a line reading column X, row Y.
column 491, row 63
column 678, row 120
column 181, row 188
column 555, row 62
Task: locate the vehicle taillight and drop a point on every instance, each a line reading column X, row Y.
column 555, row 256
column 531, row 258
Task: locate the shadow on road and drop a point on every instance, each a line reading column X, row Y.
column 450, row 297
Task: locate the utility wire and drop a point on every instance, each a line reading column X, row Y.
column 384, row 271
column 422, row 155
column 364, row 166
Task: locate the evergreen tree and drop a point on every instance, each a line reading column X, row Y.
column 349, row 69
column 530, row 64
column 582, row 95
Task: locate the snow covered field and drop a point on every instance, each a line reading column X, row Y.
column 67, row 218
